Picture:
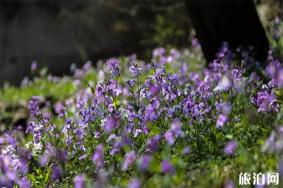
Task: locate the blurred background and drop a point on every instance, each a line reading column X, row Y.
column 56, row 34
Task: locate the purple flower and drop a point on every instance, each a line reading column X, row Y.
column 276, row 29
column 230, row 147
column 79, row 181
column 280, row 167
column 5, row 182
column 87, row 114
column 23, row 166
column 154, row 90
column 224, row 84
column 68, row 121
column 150, row 114
column 33, row 106
column 87, row 66
column 36, row 129
column 61, row 155
column 116, row 147
column 144, row 162
column 137, row 132
column 135, row 70
column 272, row 68
column 186, row 150
column 10, row 139
column 24, row 183
column 82, row 157
column 195, row 42
column 236, row 73
column 169, row 137
column 176, row 128
column 131, row 82
column 129, row 160
column 174, row 54
column 270, row 143
column 134, row 183
column 253, row 78
column 11, row 175
column 153, row 143
column 113, row 66
column 159, row 55
column 221, row 120
column 98, row 156
column 225, row 52
column 266, row 102
column 80, row 132
column 167, row 167
column 43, row 160
column 110, row 123
column 280, row 78
column 223, row 107
column 33, row 66
column 157, row 52
column 113, row 88
column 280, row 130
column 229, row 184
column 56, row 172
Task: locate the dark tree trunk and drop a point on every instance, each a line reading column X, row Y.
column 235, row 22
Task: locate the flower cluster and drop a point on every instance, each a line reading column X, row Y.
column 141, row 120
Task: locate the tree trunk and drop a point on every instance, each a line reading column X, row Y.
column 235, row 22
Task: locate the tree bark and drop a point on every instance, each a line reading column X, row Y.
column 234, row 22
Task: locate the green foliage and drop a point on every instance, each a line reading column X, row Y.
column 206, row 164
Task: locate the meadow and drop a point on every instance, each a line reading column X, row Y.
column 174, row 121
